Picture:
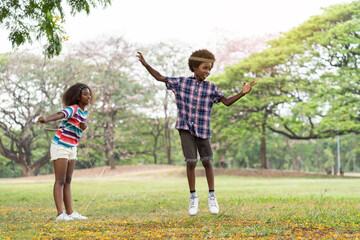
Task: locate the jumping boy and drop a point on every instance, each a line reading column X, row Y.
column 194, row 100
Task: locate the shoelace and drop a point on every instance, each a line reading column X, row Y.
column 212, row 202
column 192, row 203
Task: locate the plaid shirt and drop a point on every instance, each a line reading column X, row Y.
column 194, row 101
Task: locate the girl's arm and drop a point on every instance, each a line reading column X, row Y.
column 54, row 117
column 245, row 90
column 152, row 71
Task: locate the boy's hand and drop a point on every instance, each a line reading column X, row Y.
column 247, row 87
column 141, row 59
column 42, row 120
column 83, row 126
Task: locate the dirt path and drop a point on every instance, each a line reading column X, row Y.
column 175, row 171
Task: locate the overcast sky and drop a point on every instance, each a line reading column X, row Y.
column 198, row 22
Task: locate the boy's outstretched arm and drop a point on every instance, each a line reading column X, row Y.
column 245, row 90
column 54, row 117
column 152, row 71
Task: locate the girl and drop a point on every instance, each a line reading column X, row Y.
column 63, row 146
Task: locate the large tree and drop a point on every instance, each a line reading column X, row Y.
column 111, row 70
column 308, row 81
column 170, row 60
column 30, row 86
column 38, row 19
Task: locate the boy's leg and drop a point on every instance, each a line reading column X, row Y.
column 60, row 168
column 190, row 173
column 209, row 171
column 188, row 145
column 67, row 187
column 206, row 157
column 190, row 153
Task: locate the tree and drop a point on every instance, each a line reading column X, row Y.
column 29, row 86
column 327, row 95
column 170, row 60
column 299, row 74
column 37, row 19
column 111, row 68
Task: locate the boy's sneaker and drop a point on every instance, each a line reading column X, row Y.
column 193, row 207
column 213, row 205
column 76, row 215
column 64, row 217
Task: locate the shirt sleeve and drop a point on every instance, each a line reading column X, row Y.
column 217, row 94
column 69, row 112
column 172, row 83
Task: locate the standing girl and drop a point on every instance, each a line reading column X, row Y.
column 64, row 145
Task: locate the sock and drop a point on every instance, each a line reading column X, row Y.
column 193, row 194
column 211, row 193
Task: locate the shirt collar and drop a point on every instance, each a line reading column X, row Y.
column 193, row 77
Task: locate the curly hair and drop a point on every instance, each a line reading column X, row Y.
column 202, row 53
column 72, row 95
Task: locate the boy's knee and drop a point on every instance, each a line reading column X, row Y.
column 207, row 163
column 191, row 165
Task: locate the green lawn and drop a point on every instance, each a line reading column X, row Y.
column 143, row 206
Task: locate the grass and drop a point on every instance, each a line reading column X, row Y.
column 145, row 206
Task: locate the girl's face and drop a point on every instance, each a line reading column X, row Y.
column 85, row 97
column 202, row 71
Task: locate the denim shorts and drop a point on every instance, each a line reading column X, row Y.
column 191, row 145
column 58, row 151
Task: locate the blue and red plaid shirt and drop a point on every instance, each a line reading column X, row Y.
column 194, row 101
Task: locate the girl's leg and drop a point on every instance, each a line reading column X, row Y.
column 209, row 171
column 67, row 188
column 60, row 168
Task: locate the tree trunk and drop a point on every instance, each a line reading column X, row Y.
column 112, row 160
column 263, row 148
column 154, row 151
column 293, row 158
column 25, row 171
column 107, row 162
column 167, row 141
column 167, row 132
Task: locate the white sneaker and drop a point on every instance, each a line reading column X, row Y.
column 76, row 215
column 193, row 207
column 213, row 205
column 64, row 217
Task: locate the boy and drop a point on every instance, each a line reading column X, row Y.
column 194, row 100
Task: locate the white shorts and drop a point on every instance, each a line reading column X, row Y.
column 58, row 151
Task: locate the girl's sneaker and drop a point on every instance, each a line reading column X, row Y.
column 64, row 217
column 76, row 215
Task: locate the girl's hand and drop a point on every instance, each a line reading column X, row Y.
column 42, row 120
column 83, row 126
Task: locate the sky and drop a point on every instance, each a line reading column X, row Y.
column 200, row 23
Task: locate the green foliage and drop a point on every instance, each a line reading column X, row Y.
column 308, row 82
column 37, row 19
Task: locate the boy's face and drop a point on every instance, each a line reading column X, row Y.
column 202, row 71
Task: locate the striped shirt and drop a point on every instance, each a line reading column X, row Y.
column 69, row 132
column 194, row 101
